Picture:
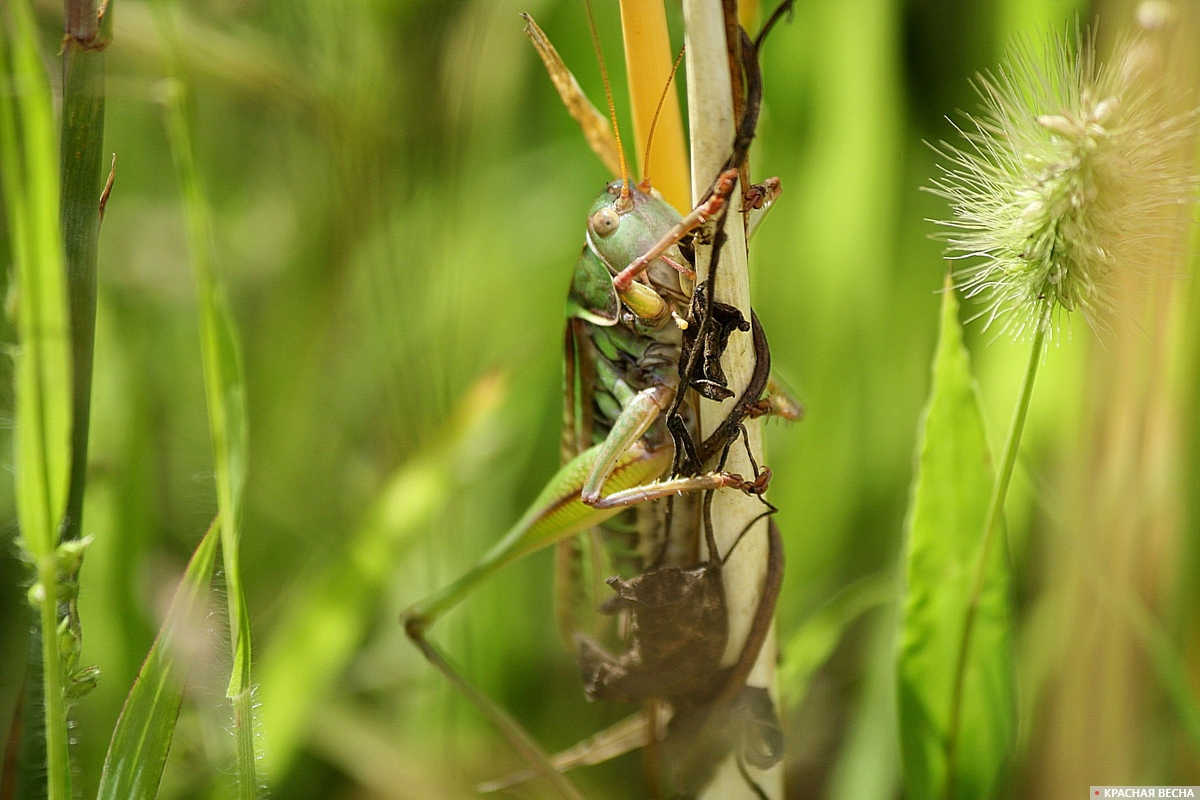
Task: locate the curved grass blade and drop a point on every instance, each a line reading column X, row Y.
column 814, row 642
column 81, row 155
column 133, row 766
column 221, row 356
column 314, row 642
column 946, row 515
column 29, row 171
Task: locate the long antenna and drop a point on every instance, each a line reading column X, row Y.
column 623, row 202
column 662, row 98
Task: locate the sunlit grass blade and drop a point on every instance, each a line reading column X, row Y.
column 31, row 196
column 133, row 766
column 29, row 170
column 811, row 645
column 318, row 637
column 1163, row 652
column 81, row 150
column 220, row 353
column 948, row 755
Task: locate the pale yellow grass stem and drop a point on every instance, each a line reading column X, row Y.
column 648, row 60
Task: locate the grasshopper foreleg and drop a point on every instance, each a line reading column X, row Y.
column 674, row 486
column 713, row 205
column 635, row 419
column 638, row 414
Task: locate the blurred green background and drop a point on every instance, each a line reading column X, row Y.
column 398, row 200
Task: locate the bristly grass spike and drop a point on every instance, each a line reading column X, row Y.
column 1066, row 179
column 1068, row 185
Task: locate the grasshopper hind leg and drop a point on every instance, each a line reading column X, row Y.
column 512, row 730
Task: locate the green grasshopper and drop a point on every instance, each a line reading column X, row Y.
column 626, row 424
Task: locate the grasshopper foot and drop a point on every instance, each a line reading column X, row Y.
column 754, row 488
column 414, row 623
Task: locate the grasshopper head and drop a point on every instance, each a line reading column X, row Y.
column 626, row 221
column 622, row 224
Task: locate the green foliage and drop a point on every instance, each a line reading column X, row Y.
column 146, row 727
column 323, row 629
column 954, row 752
column 220, row 355
column 396, row 199
column 42, row 385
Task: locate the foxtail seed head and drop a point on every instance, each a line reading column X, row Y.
column 1070, row 173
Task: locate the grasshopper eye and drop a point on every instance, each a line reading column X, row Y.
column 604, row 222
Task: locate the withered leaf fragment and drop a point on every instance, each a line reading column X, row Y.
column 710, row 380
column 679, row 627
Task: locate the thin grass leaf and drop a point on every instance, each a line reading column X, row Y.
column 136, row 755
column 1163, row 652
column 946, row 514
column 29, row 167
column 43, row 376
column 81, row 150
column 323, row 630
column 221, row 355
column 868, row 762
column 648, row 69
column 811, row 645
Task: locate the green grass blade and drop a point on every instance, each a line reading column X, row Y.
column 946, row 515
column 1169, row 667
column 226, row 416
column 868, row 761
column 812, row 644
column 317, row 639
column 133, row 766
column 29, row 167
column 222, row 364
column 43, row 377
column 81, row 148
